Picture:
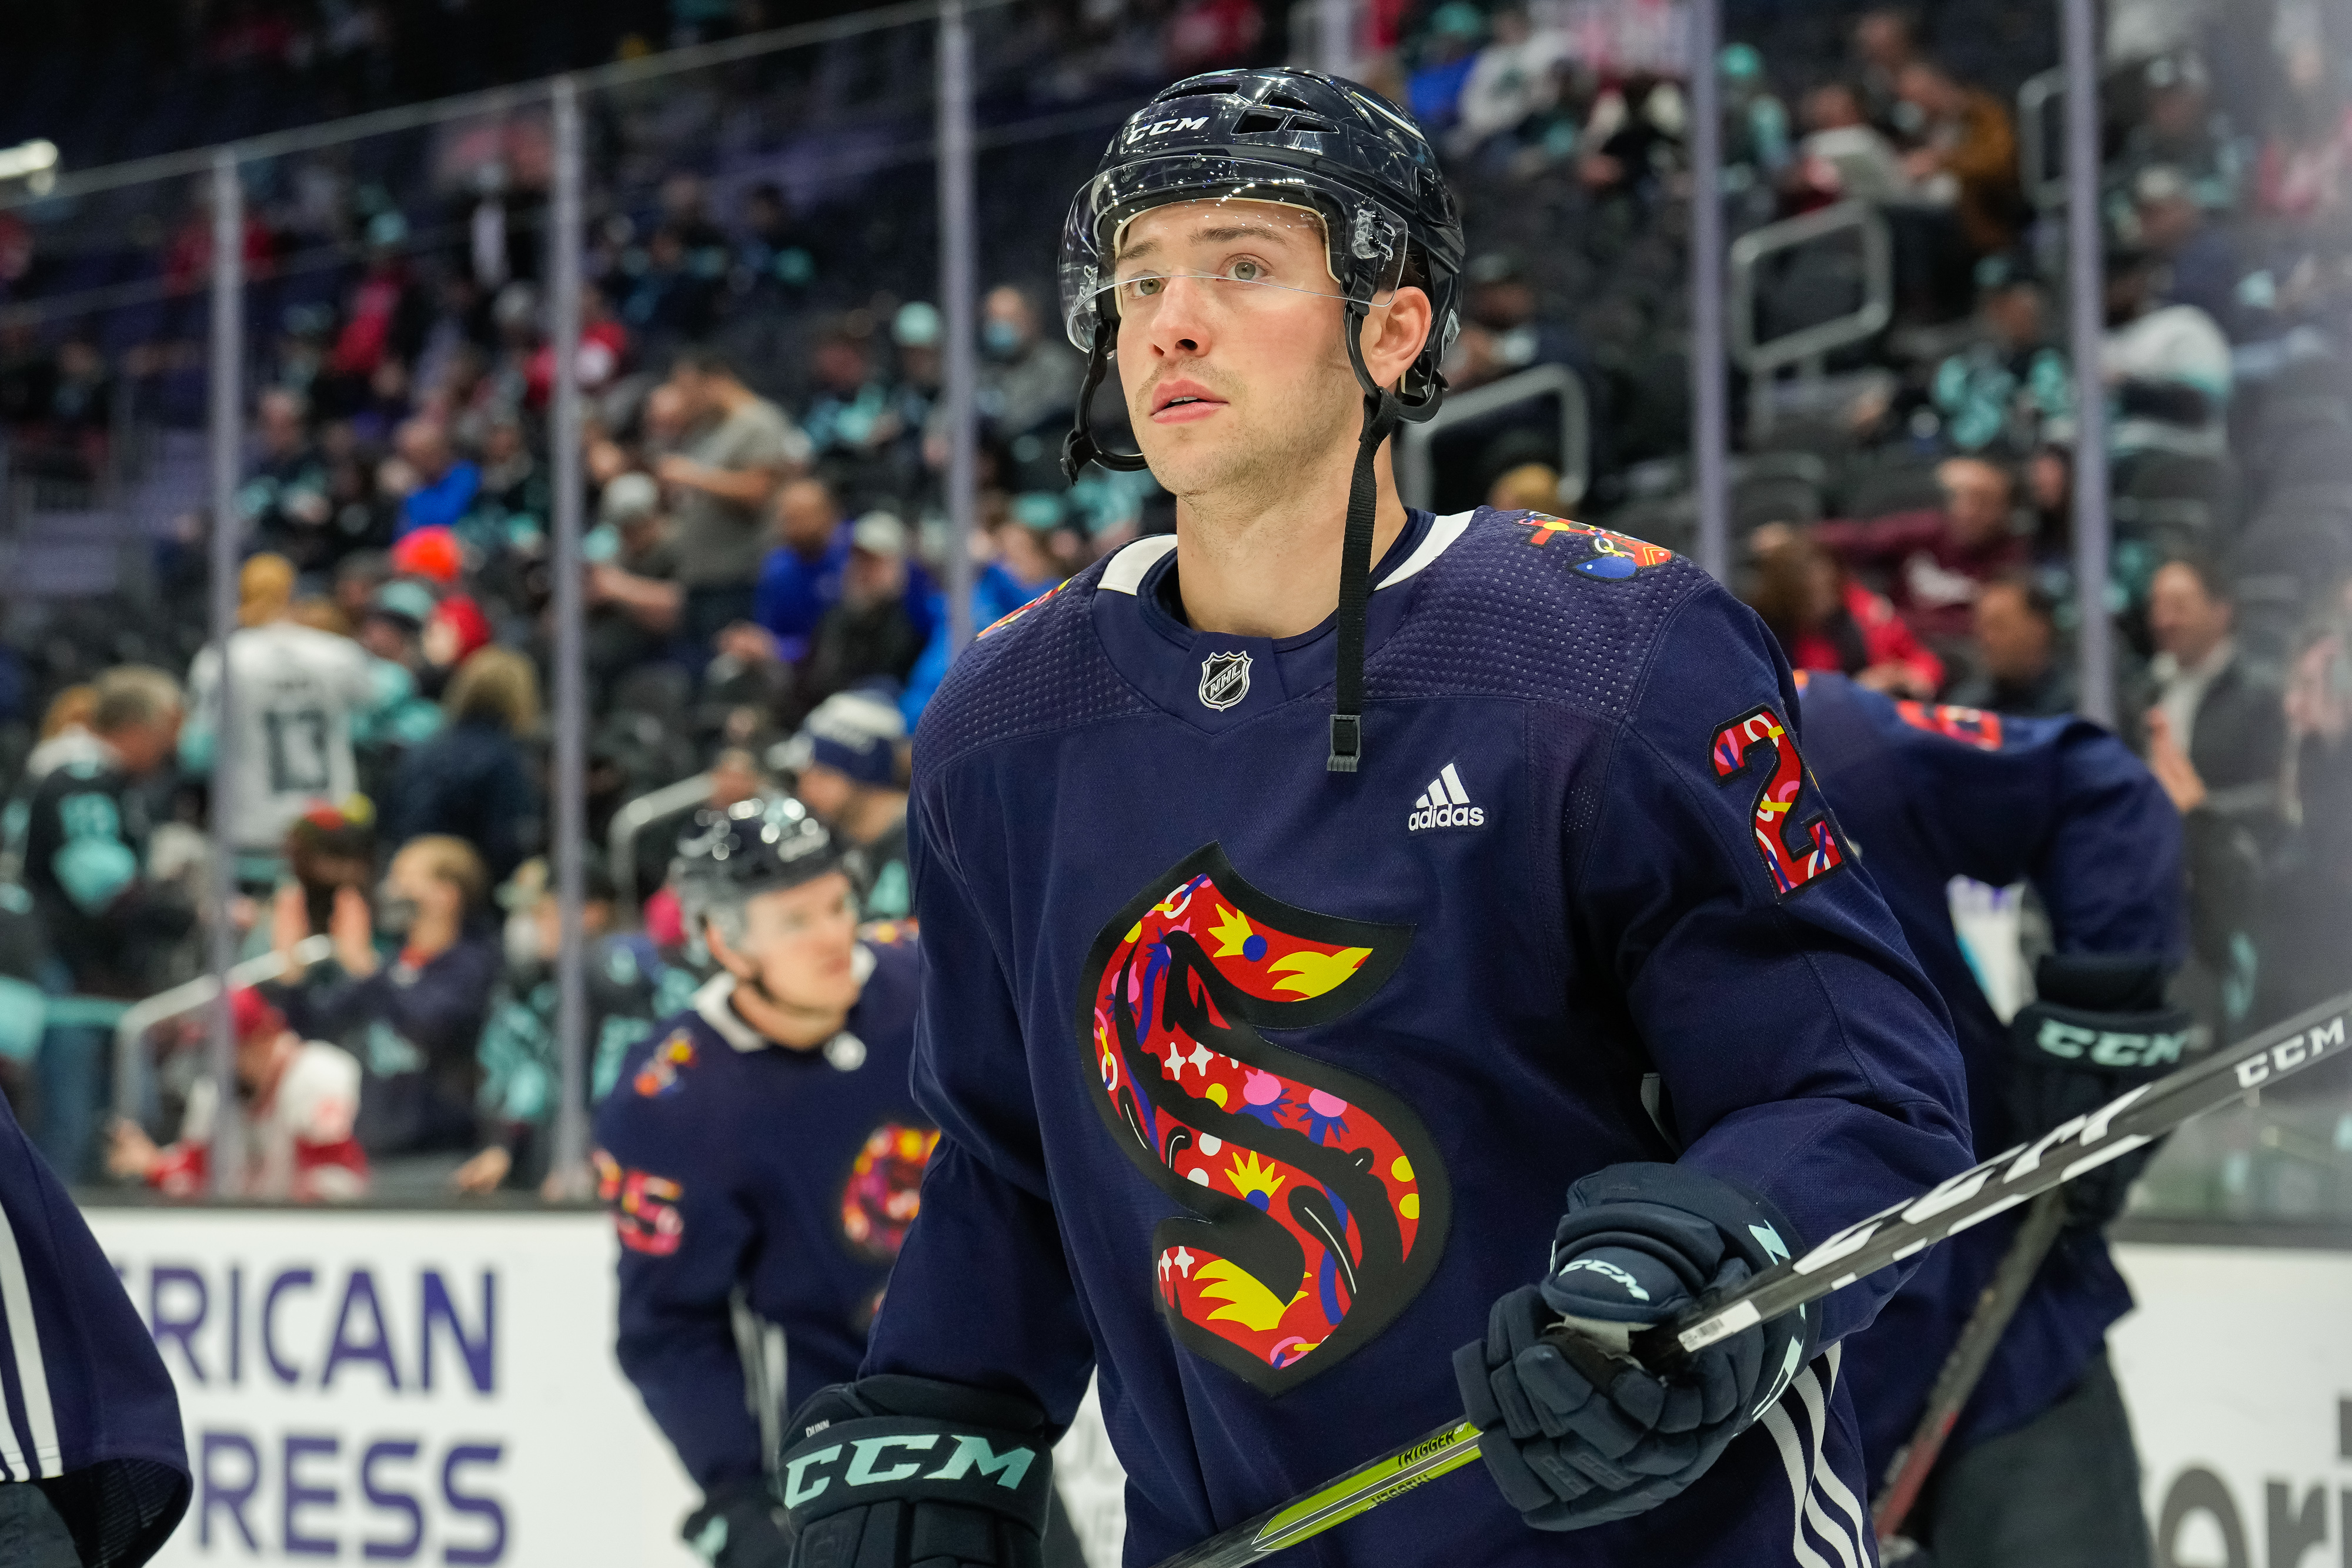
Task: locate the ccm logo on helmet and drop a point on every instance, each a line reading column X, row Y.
column 2106, row 1047
column 1163, row 127
column 870, row 1464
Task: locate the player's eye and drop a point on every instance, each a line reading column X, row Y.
column 1246, row 271
column 1146, row 287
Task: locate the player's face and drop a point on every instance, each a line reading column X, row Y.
column 1229, row 346
column 803, row 941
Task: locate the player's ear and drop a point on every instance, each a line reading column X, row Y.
column 1393, row 333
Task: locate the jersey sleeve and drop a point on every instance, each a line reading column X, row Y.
column 1800, row 1050
column 683, row 1234
column 2059, row 802
column 982, row 1293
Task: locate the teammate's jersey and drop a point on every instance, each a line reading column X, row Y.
column 1268, row 1082
column 86, row 1397
column 761, row 1194
column 1929, row 793
column 297, row 691
column 299, row 1143
column 87, row 829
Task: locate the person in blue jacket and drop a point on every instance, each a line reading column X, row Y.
column 93, row 1465
column 762, row 1155
column 1354, row 939
column 2041, row 1468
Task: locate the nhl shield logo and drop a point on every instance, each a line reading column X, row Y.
column 1224, row 680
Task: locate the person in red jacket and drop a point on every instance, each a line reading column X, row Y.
column 1939, row 559
column 1825, row 619
column 298, row 1098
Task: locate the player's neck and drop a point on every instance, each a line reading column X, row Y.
column 1267, row 564
column 794, row 1029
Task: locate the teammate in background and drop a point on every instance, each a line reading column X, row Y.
column 297, row 691
column 300, row 1099
column 93, row 1466
column 761, row 1156
column 1520, row 836
column 110, row 926
column 847, row 775
column 2041, row 1468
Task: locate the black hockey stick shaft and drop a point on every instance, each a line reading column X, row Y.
column 2018, row 1175
column 1971, row 1353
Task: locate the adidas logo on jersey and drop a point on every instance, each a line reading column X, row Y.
column 1445, row 804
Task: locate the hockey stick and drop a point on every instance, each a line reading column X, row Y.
column 1971, row 1353
column 2014, row 1177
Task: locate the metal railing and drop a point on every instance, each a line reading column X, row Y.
column 621, row 838
column 1415, row 480
column 130, row 1028
column 1807, row 347
column 2038, row 171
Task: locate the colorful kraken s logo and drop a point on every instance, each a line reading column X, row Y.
column 1321, row 1200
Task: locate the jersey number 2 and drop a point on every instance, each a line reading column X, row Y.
column 1796, row 850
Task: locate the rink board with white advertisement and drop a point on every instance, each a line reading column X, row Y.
column 438, row 1387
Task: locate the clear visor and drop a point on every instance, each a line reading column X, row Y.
column 1140, row 240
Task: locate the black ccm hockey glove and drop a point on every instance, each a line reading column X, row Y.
column 2099, row 1027
column 739, row 1525
column 905, row 1472
column 1640, row 1243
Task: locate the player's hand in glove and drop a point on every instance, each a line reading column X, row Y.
column 739, row 1525
column 2098, row 1028
column 1574, row 1447
column 906, row 1472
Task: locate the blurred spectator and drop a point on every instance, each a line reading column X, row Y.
column 512, row 480
column 2016, row 664
column 285, row 500
column 471, row 782
column 604, row 348
column 1843, row 156
column 850, row 778
column 2308, row 896
column 777, row 255
column 633, row 598
column 442, row 485
column 384, row 320
column 872, row 631
column 2180, row 129
column 740, row 449
column 413, row 1020
column 432, row 555
column 2168, row 365
column 1884, row 45
column 1513, row 78
column 1824, row 619
column 1939, row 558
column 2006, row 390
column 2222, row 714
column 298, row 1100
column 295, row 692
column 328, row 849
column 1529, row 487
column 1027, row 380
column 2201, row 265
column 801, row 578
column 110, row 926
column 1449, row 52
column 1966, row 137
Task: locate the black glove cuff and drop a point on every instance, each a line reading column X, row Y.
column 2129, row 1047
column 873, row 1459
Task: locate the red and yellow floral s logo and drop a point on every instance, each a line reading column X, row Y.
column 884, row 1189
column 1318, row 1200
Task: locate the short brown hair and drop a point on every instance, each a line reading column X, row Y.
column 496, row 684
column 132, row 693
column 454, row 861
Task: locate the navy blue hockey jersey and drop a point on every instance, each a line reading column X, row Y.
column 85, row 1404
column 761, row 1194
column 1929, row 793
column 1260, row 1083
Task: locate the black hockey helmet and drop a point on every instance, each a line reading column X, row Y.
column 765, row 844
column 1298, row 139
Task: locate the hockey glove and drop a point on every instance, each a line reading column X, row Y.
column 1573, row 1447
column 905, row 1472
column 739, row 1525
column 2098, row 1028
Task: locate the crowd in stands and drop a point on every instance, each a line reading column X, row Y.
column 766, row 574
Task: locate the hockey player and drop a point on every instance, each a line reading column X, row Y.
column 93, row 1466
column 2041, row 1468
column 1301, row 934
column 761, row 1156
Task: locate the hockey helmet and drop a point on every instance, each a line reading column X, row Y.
column 765, row 844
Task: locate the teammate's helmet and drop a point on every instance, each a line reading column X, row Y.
column 1297, row 138
column 760, row 845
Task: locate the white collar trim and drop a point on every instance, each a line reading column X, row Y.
column 1442, row 532
column 711, row 1003
column 1126, row 571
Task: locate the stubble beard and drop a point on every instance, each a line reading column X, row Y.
column 1236, row 489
